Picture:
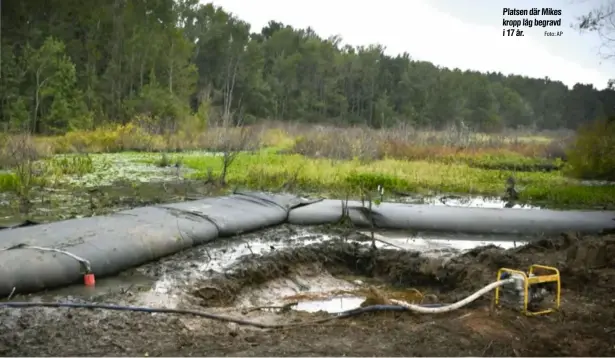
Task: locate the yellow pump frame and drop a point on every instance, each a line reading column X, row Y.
column 553, row 276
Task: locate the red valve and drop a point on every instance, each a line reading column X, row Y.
column 89, row 279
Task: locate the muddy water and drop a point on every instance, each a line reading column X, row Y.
column 309, row 293
column 334, row 304
column 169, row 281
column 441, row 244
column 597, row 182
column 466, row 202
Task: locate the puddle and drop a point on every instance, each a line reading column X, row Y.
column 134, row 283
column 332, row 305
column 597, row 182
column 309, row 286
column 446, row 245
column 320, row 291
column 466, row 202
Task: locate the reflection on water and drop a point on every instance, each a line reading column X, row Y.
column 332, row 305
column 442, row 244
column 114, row 284
column 468, row 202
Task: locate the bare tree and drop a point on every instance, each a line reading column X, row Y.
column 601, row 20
column 20, row 154
column 233, row 139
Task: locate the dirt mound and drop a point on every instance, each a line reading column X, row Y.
column 584, row 326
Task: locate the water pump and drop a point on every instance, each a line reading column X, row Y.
column 529, row 291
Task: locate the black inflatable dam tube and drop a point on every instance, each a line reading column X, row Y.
column 241, row 212
column 456, row 219
column 129, row 238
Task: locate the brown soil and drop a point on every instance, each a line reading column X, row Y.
column 585, row 325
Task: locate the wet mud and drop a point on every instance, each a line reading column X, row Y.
column 260, row 284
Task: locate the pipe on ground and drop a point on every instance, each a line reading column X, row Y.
column 134, row 237
column 480, row 221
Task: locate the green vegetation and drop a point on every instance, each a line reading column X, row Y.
column 272, row 171
column 283, row 108
column 70, row 165
column 325, row 161
column 593, row 153
column 190, row 65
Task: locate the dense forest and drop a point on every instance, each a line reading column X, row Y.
column 75, row 65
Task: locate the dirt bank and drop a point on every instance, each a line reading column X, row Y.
column 584, row 326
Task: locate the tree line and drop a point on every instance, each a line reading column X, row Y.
column 73, row 65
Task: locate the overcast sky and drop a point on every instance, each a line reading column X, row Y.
column 451, row 33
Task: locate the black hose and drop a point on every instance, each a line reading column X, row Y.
column 345, row 314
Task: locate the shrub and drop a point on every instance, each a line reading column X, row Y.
column 557, row 148
column 592, row 155
column 340, row 144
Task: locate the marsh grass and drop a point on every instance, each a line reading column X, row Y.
column 309, row 140
column 79, row 165
column 30, row 168
column 475, row 150
column 296, row 157
column 269, row 170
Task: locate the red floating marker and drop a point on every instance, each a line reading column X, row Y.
column 89, row 279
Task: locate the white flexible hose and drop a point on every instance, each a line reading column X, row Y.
column 458, row 304
column 85, row 263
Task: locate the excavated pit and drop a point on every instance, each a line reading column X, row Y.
column 337, row 275
column 259, row 276
column 299, row 260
